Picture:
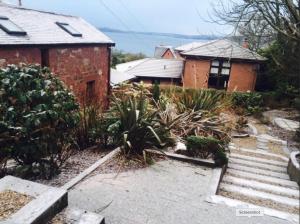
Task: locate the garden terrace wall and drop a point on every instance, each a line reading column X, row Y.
column 76, row 65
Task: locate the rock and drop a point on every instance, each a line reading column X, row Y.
column 180, row 148
column 286, row 124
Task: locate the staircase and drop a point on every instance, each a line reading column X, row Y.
column 259, row 177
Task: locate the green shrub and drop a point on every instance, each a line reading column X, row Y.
column 201, row 99
column 93, row 126
column 203, row 147
column 37, row 118
column 251, row 102
column 156, row 91
column 137, row 126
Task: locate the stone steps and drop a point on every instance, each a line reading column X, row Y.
column 261, row 160
column 258, row 177
column 258, row 165
column 259, row 195
column 259, row 171
column 256, row 185
column 260, row 152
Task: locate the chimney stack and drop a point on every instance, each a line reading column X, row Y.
column 245, row 43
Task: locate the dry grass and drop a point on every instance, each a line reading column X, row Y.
column 276, row 148
column 11, row 202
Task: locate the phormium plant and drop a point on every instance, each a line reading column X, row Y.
column 37, row 118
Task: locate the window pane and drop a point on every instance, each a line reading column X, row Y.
column 71, row 30
column 215, row 63
column 226, row 64
column 225, row 71
column 10, row 27
column 214, row 70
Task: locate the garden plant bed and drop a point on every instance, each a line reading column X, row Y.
column 11, row 202
column 120, row 164
column 77, row 163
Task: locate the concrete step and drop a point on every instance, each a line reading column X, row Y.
column 261, row 186
column 258, row 177
column 78, row 216
column 258, row 165
column 259, row 171
column 257, row 159
column 261, row 152
column 259, row 195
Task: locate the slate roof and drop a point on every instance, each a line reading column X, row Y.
column 41, row 28
column 117, row 77
column 189, row 46
column 224, row 49
column 125, row 66
column 158, row 68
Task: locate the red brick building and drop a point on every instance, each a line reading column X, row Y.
column 221, row 64
column 73, row 49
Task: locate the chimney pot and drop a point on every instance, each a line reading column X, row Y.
column 245, row 43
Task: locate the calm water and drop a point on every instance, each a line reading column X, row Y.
column 141, row 43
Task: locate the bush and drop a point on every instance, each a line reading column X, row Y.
column 203, row 147
column 156, row 91
column 38, row 116
column 137, row 126
column 202, row 99
column 251, row 102
column 93, row 126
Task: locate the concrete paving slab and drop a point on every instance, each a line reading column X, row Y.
column 167, row 192
column 259, row 194
column 282, row 182
column 287, row 124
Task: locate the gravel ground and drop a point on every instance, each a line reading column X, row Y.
column 120, row 164
column 264, row 203
column 11, row 202
column 77, row 163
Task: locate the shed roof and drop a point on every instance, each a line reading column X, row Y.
column 158, row 68
column 189, row 46
column 117, row 77
column 41, row 28
column 224, row 49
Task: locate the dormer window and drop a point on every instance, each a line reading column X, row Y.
column 11, row 28
column 69, row 29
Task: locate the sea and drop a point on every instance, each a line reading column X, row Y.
column 145, row 43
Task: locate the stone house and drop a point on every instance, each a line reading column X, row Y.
column 72, row 48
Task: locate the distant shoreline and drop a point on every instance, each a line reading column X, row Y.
column 174, row 35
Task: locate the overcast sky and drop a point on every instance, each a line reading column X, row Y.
column 171, row 16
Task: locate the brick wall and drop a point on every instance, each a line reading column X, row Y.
column 17, row 55
column 242, row 77
column 75, row 66
column 196, row 73
column 78, row 65
column 168, row 55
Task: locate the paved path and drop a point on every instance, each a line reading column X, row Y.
column 168, row 192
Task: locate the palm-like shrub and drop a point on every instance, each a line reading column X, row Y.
column 203, row 99
column 37, row 118
column 138, row 126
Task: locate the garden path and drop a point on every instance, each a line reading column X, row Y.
column 167, row 192
column 257, row 173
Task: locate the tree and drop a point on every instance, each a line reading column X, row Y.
column 283, row 16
